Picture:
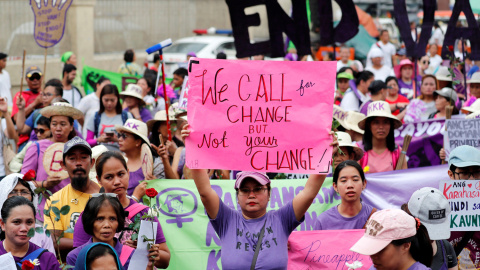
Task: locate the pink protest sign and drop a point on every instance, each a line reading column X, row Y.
column 260, row 115
column 325, row 250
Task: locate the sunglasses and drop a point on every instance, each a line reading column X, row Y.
column 425, row 62
column 39, row 130
column 34, row 77
column 123, row 135
column 112, row 195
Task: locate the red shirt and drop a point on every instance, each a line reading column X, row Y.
column 29, row 97
column 400, row 99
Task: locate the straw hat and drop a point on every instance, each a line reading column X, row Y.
column 398, row 68
column 475, row 78
column 443, row 74
column 379, row 109
column 133, row 90
column 345, row 140
column 351, row 121
column 339, row 114
column 61, row 108
column 160, row 116
column 473, row 116
column 136, row 127
column 475, row 107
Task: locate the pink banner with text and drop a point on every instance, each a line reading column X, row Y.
column 260, row 115
column 325, row 250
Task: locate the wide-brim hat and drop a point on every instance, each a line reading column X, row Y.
column 160, row 116
column 339, row 114
column 133, row 90
column 345, row 140
column 474, row 107
column 473, row 116
column 475, row 78
column 352, row 120
column 443, row 74
column 63, row 109
column 136, row 127
column 398, row 68
column 379, row 109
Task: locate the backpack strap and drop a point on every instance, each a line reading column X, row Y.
column 96, row 123
column 371, row 213
column 126, row 252
column 124, row 116
column 38, row 149
column 32, row 256
column 135, row 209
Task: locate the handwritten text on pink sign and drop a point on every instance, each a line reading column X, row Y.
column 260, row 115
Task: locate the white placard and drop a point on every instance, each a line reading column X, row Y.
column 461, row 132
column 7, row 262
column 464, row 199
column 183, row 101
column 140, row 257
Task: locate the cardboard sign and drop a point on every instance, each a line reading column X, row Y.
column 147, row 160
column 461, row 132
column 49, row 21
column 52, row 159
column 324, row 250
column 260, row 115
column 464, row 199
column 183, row 102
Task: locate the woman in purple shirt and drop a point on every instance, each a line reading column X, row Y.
column 133, row 100
column 349, row 182
column 18, row 217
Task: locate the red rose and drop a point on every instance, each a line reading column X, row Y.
column 27, row 265
column 29, row 176
column 450, row 48
column 151, row 192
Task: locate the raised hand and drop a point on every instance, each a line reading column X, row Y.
column 49, row 21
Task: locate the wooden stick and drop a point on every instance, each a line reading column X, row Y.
column 406, row 144
column 23, row 71
column 44, row 67
column 161, row 139
column 449, row 111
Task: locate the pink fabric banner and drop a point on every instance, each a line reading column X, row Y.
column 260, row 115
column 325, row 250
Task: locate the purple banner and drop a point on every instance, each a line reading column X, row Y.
column 427, row 140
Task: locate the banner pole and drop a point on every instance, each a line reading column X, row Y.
column 45, row 67
column 165, row 95
column 23, row 71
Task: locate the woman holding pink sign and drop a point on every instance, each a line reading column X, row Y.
column 241, row 232
column 381, row 153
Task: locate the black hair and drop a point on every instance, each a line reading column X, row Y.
column 182, row 72
column 13, row 202
column 363, row 76
column 128, row 55
column 389, row 78
column 330, row 55
column 221, row 55
column 42, row 120
column 68, row 68
column 382, row 31
column 72, row 133
column 150, row 80
column 108, row 90
column 57, row 85
column 154, row 136
column 455, row 110
column 100, row 81
column 93, row 207
column 156, row 57
column 367, row 137
column 453, row 168
column 374, row 88
column 99, row 251
column 3, row 55
column 343, row 69
column 420, row 248
column 25, row 184
column 348, row 163
column 106, row 156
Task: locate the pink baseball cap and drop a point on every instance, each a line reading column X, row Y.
column 382, row 228
column 257, row 176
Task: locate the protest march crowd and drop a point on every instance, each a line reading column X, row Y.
column 86, row 208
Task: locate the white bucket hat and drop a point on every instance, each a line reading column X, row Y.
column 473, row 116
column 339, row 114
column 160, row 117
column 136, row 127
column 475, row 107
column 133, row 90
column 443, row 74
column 379, row 109
column 345, row 140
column 351, row 121
column 475, row 78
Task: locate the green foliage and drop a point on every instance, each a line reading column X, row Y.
column 335, row 124
column 69, row 230
column 280, row 176
column 47, row 233
column 65, row 210
column 31, row 232
column 54, row 202
column 39, row 230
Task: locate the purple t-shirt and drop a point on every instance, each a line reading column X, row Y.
column 144, row 114
column 34, row 160
column 47, row 260
column 332, row 220
column 80, row 237
column 415, row 266
column 73, row 255
column 239, row 237
column 135, row 178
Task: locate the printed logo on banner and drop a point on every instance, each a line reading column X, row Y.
column 174, row 206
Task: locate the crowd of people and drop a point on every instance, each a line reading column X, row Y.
column 104, row 133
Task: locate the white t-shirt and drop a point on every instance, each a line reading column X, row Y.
column 72, row 96
column 5, row 87
column 435, row 62
column 437, row 37
column 2, row 165
column 340, row 64
column 382, row 73
column 350, row 101
column 88, row 105
column 388, row 51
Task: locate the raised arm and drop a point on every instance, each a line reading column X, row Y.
column 304, row 199
column 209, row 197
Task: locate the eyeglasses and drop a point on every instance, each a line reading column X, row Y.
column 112, row 195
column 123, row 135
column 247, row 191
column 34, row 76
column 467, row 175
column 20, row 193
column 47, row 94
column 425, row 62
column 39, row 130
